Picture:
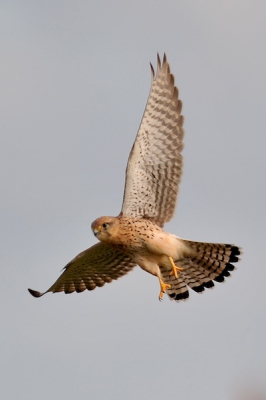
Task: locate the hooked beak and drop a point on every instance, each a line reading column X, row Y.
column 95, row 232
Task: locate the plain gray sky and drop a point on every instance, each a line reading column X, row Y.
column 74, row 80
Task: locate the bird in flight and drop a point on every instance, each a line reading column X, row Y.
column 136, row 236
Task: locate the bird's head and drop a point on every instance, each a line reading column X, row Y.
column 105, row 228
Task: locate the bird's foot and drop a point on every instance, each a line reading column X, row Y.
column 164, row 287
column 175, row 268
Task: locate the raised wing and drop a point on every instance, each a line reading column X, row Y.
column 155, row 162
column 93, row 267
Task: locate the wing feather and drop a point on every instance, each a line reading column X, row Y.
column 93, row 267
column 155, row 162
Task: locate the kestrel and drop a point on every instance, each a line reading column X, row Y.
column 136, row 236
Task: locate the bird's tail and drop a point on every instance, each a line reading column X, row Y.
column 209, row 262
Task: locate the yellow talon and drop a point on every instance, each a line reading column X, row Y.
column 175, row 268
column 164, row 287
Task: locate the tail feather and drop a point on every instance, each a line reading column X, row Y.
column 208, row 262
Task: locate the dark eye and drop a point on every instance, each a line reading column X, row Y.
column 104, row 225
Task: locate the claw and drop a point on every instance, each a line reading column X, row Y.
column 164, row 287
column 175, row 268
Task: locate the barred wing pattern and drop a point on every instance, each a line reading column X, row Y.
column 211, row 262
column 155, row 162
column 93, row 267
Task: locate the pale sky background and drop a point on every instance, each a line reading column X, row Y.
column 74, row 79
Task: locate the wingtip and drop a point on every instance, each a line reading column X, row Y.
column 158, row 60
column 152, row 71
column 35, row 293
